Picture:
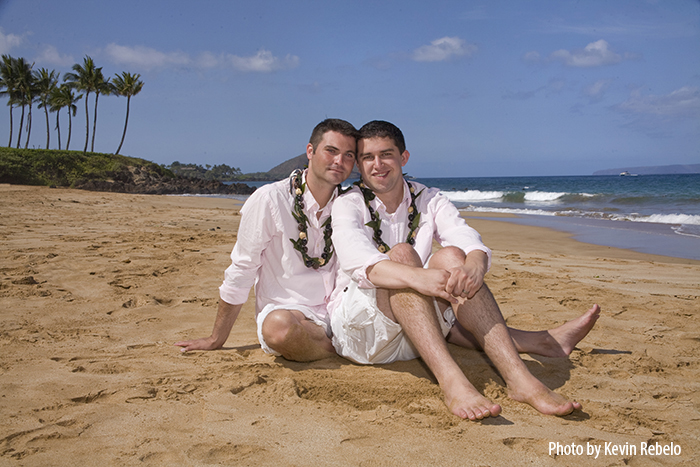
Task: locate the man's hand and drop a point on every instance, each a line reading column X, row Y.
column 434, row 283
column 204, row 343
column 466, row 280
column 225, row 318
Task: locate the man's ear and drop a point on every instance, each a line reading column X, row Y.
column 404, row 158
column 309, row 150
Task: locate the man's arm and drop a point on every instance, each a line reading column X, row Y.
column 392, row 275
column 225, row 318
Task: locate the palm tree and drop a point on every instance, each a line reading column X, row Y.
column 24, row 92
column 127, row 85
column 102, row 86
column 62, row 96
column 84, row 78
column 45, row 84
column 8, row 86
column 29, row 98
column 56, row 103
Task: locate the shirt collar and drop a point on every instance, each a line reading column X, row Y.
column 311, row 203
column 405, row 201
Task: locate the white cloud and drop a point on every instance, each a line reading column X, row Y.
column 8, row 42
column 594, row 54
column 145, row 57
column 683, row 102
column 533, row 57
column 148, row 58
column 597, row 90
column 443, row 49
column 209, row 60
column 50, row 55
column 263, row 62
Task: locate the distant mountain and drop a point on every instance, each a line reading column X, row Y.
column 299, row 162
column 653, row 170
column 283, row 170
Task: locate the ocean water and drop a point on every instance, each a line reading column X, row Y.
column 657, row 214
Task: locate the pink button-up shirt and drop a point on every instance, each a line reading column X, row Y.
column 357, row 251
column 265, row 257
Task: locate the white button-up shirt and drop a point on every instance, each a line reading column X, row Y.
column 265, row 257
column 357, row 251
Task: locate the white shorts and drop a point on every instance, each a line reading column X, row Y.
column 308, row 313
column 363, row 334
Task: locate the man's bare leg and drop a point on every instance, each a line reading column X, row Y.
column 482, row 317
column 297, row 338
column 556, row 342
column 416, row 314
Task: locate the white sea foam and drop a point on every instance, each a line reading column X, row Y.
column 528, row 212
column 675, row 219
column 688, row 230
column 542, row 196
column 667, row 219
column 472, row 196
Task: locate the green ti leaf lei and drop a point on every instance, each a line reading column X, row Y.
column 297, row 189
column 376, row 223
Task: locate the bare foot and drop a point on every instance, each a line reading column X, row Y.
column 563, row 339
column 543, row 399
column 465, row 401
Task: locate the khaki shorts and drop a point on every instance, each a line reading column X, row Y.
column 363, row 334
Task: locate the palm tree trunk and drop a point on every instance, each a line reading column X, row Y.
column 70, row 129
column 48, row 128
column 87, row 122
column 29, row 126
column 9, row 144
column 21, row 122
column 94, row 123
column 58, row 129
column 126, row 122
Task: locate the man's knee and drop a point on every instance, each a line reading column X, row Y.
column 405, row 254
column 276, row 327
column 447, row 258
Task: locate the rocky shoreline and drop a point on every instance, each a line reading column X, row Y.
column 138, row 180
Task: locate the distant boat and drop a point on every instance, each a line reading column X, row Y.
column 627, row 174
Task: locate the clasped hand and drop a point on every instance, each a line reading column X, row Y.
column 452, row 284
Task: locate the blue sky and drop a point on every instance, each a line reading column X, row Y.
column 482, row 88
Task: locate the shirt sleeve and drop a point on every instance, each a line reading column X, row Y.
column 255, row 232
column 453, row 230
column 355, row 248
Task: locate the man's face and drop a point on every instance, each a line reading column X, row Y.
column 380, row 164
column 333, row 159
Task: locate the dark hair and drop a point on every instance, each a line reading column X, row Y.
column 382, row 129
column 332, row 124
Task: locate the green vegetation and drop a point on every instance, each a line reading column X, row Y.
column 64, row 168
column 222, row 173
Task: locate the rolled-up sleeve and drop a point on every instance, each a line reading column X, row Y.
column 453, row 230
column 355, row 248
column 254, row 234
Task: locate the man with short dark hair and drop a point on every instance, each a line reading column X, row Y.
column 284, row 248
column 396, row 300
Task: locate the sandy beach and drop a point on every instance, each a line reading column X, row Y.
column 96, row 287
